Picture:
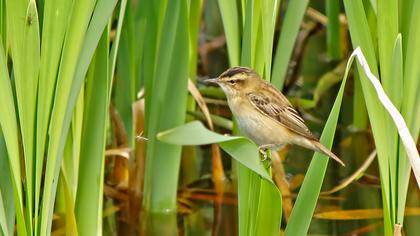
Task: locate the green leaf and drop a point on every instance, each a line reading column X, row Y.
column 256, row 188
column 240, row 148
column 80, row 43
column 333, row 29
column 289, row 31
column 89, row 199
column 411, row 89
column 3, row 221
column 7, row 211
column 88, row 205
column 56, row 16
column 305, row 204
column 232, row 25
column 26, row 92
column 165, row 102
column 9, row 126
column 387, row 29
column 361, row 36
column 269, row 11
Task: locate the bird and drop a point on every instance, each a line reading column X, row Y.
column 264, row 114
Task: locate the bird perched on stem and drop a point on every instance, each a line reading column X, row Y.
column 264, row 114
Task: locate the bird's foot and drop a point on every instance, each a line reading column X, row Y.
column 263, row 150
column 263, row 153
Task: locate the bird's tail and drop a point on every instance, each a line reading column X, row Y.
column 322, row 149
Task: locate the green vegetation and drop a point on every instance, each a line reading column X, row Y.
column 107, row 129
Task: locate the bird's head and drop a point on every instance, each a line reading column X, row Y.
column 237, row 80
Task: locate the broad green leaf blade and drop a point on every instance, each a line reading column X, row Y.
column 116, row 45
column 9, row 126
column 232, row 24
column 240, row 148
column 166, row 97
column 26, row 91
column 124, row 93
column 406, row 20
column 7, row 210
column 16, row 21
column 333, row 29
column 194, row 20
column 361, row 37
column 395, row 93
column 70, row 166
column 256, row 189
column 387, row 29
column 55, row 21
column 305, row 204
column 85, row 29
column 411, row 90
column 406, row 138
column 269, row 11
column 289, row 31
column 268, row 217
column 250, row 35
column 89, row 197
column 360, row 116
column 71, row 226
column 3, row 221
column 97, row 98
column 151, row 26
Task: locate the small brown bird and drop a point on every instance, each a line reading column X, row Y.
column 264, row 114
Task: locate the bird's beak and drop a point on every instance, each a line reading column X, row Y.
column 212, row 81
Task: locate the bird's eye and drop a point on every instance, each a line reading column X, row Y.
column 232, row 82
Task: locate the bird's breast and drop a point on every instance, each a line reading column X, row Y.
column 257, row 126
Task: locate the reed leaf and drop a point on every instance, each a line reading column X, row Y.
column 261, row 190
column 232, row 23
column 166, row 99
column 9, row 126
column 397, row 55
column 288, row 34
column 305, row 204
column 7, row 211
column 54, row 26
column 333, row 29
column 97, row 99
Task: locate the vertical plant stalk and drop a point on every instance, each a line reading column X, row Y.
column 305, row 204
column 60, row 122
column 387, row 29
column 411, row 89
column 98, row 95
column 361, row 36
column 91, row 170
column 289, row 31
column 333, row 29
column 55, row 21
column 166, row 94
column 406, row 138
column 9, row 126
column 25, row 43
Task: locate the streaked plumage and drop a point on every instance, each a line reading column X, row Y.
column 263, row 113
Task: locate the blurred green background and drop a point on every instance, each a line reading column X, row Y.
column 106, row 126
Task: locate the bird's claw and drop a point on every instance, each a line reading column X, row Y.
column 263, row 151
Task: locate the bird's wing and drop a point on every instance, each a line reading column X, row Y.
column 277, row 107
